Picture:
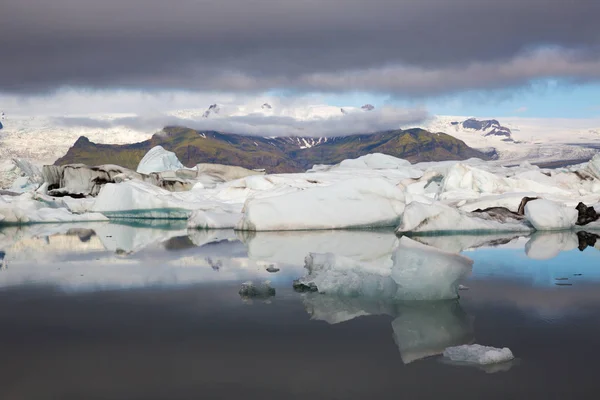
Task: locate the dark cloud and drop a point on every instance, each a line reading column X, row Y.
column 415, row 47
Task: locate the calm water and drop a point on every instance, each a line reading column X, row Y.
column 105, row 311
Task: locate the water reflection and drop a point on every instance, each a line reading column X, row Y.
column 159, row 252
column 420, row 329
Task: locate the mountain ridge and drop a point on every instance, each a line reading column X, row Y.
column 274, row 154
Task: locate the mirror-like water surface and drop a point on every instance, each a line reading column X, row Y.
column 129, row 311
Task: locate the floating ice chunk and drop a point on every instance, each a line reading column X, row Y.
column 547, row 245
column 440, row 218
column 593, row 167
column 352, row 203
column 374, row 161
column 262, row 290
column 417, row 272
column 157, row 159
column 141, row 200
column 469, row 182
column 478, row 354
column 32, row 208
column 546, row 215
column 200, row 219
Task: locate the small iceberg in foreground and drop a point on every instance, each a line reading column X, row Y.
column 416, row 272
column 478, row 354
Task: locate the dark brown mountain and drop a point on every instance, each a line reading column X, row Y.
column 281, row 154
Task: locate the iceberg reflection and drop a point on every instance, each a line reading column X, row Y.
column 420, row 329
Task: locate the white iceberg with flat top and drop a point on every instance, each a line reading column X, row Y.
column 157, row 159
column 478, row 354
column 141, row 200
column 417, row 272
column 440, row 218
column 30, row 208
column 356, row 203
column 547, row 215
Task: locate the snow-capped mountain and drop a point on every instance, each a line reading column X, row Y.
column 309, row 112
column 43, row 139
column 523, row 139
column 487, row 127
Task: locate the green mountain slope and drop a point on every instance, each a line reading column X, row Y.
column 273, row 154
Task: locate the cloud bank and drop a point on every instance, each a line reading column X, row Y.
column 405, row 47
column 358, row 122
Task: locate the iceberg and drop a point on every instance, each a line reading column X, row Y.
column 478, row 354
column 440, row 218
column 30, row 208
column 157, row 159
column 136, row 199
column 358, row 203
column 546, row 215
column 417, row 272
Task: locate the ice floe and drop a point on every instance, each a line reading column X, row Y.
column 546, row 215
column 478, row 354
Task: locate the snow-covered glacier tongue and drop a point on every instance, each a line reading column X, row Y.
column 414, row 271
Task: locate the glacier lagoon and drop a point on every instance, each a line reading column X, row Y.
column 150, row 309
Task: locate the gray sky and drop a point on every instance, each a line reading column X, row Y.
column 403, row 47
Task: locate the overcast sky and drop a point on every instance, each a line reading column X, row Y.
column 510, row 54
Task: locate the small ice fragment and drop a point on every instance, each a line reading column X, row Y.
column 272, row 269
column 302, row 287
column 478, row 354
column 261, row 290
column 463, row 287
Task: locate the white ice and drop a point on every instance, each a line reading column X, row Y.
column 478, row 354
column 157, row 159
column 546, row 215
column 364, row 203
column 440, row 218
